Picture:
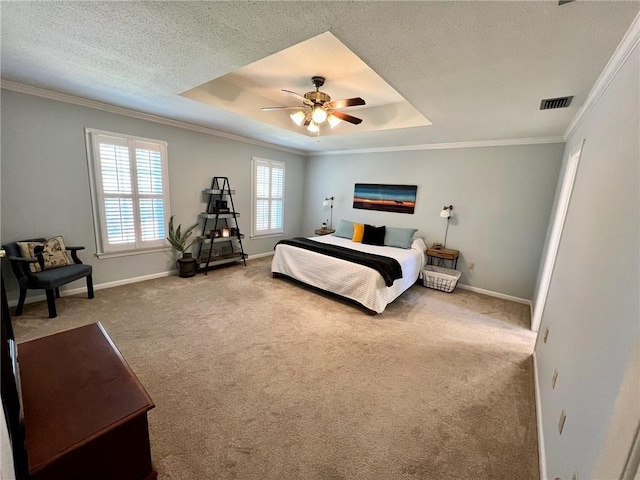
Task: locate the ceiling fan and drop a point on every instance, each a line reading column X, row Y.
column 317, row 107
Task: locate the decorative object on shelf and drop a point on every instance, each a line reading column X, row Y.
column 318, row 108
column 386, row 198
column 328, row 202
column 437, row 246
column 446, row 213
column 221, row 206
column 186, row 265
column 225, row 232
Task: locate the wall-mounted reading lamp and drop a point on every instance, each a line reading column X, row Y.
column 328, row 202
column 446, row 213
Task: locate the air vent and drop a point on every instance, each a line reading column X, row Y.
column 560, row 102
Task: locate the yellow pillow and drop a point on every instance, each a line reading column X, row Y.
column 358, row 232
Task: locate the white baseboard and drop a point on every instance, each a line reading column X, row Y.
column 116, row 283
column 491, row 293
column 260, row 255
column 83, row 289
column 531, row 316
column 541, row 455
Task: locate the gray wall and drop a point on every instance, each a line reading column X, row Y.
column 501, row 195
column 45, row 184
column 593, row 305
column 502, row 198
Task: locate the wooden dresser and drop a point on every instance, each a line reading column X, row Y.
column 85, row 412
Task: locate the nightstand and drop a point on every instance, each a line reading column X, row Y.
column 324, row 231
column 443, row 254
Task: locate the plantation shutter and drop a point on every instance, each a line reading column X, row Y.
column 277, row 197
column 262, row 197
column 132, row 192
column 268, row 187
column 150, row 191
column 117, row 192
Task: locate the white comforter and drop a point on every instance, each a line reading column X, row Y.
column 351, row 280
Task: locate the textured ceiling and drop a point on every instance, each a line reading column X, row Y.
column 477, row 70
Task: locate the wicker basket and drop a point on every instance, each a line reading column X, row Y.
column 440, row 278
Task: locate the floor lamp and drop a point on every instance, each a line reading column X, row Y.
column 328, row 202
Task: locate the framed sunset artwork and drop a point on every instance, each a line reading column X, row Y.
column 387, row 198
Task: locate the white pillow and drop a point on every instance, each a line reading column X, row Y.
column 418, row 244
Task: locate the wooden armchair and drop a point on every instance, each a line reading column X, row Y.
column 48, row 280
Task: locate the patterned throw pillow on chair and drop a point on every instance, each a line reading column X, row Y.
column 50, row 254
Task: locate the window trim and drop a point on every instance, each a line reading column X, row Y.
column 255, row 161
column 97, row 195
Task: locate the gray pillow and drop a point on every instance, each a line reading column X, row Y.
column 345, row 230
column 399, row 237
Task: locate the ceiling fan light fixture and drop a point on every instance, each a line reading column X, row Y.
column 317, row 108
column 319, row 114
column 298, row 117
column 333, row 120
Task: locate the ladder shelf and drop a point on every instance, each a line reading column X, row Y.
column 221, row 241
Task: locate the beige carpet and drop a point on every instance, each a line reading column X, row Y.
column 260, row 378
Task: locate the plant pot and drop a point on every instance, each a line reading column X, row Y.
column 187, row 265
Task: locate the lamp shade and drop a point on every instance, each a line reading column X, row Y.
column 319, row 114
column 445, row 213
column 298, row 117
column 333, row 121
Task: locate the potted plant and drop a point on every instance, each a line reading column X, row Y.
column 187, row 265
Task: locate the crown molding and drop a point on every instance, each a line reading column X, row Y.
column 626, row 46
column 445, row 146
column 84, row 102
column 105, row 107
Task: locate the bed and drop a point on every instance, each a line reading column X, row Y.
column 356, row 282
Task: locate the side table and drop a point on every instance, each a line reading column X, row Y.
column 443, row 254
column 324, row 231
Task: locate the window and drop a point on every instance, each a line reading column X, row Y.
column 129, row 190
column 268, row 197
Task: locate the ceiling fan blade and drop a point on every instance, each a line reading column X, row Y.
column 349, row 102
column 346, row 117
column 282, row 108
column 299, row 97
